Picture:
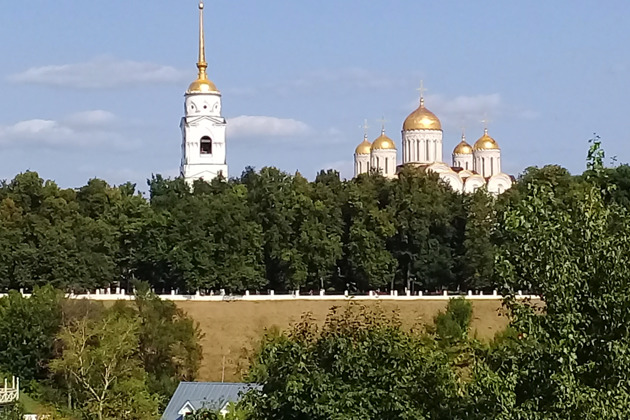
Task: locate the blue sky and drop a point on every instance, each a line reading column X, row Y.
column 95, row 89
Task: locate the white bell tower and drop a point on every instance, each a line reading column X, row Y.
column 203, row 127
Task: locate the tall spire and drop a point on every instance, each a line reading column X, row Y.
column 201, row 64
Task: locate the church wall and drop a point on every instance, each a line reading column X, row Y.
column 415, row 146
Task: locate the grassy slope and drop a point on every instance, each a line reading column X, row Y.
column 233, row 329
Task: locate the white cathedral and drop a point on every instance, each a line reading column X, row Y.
column 203, row 127
column 204, row 148
column 472, row 166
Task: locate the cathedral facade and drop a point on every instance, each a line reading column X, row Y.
column 472, row 167
column 203, row 126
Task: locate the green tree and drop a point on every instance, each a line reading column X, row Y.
column 27, row 332
column 570, row 360
column 44, row 238
column 362, row 364
column 168, row 343
column 369, row 265
column 424, row 209
column 99, row 362
column 478, row 249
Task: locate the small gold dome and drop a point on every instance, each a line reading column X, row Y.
column 364, row 148
column 383, row 142
column 202, row 85
column 422, row 119
column 486, row 142
column 463, row 148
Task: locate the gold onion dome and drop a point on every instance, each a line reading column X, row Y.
column 486, row 142
column 463, row 148
column 422, row 119
column 202, row 84
column 383, row 142
column 364, row 148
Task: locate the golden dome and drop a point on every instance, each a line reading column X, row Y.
column 364, row 147
column 463, row 148
column 202, row 86
column 422, row 119
column 486, row 142
column 383, row 142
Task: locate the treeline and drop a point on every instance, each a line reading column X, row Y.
column 263, row 230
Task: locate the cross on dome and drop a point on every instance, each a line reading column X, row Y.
column 421, row 89
column 383, row 121
column 365, row 127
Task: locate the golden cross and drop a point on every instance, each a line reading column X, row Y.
column 485, row 122
column 421, row 89
column 383, row 121
column 365, row 127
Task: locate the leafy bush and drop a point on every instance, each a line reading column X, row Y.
column 453, row 324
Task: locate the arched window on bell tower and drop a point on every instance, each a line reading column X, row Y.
column 205, row 146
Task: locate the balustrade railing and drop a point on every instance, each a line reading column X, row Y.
column 10, row 393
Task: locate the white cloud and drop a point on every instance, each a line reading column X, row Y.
column 252, row 126
column 469, row 111
column 100, row 73
column 84, row 129
column 465, row 110
column 91, row 118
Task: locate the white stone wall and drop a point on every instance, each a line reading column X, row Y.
column 464, row 161
column 487, row 162
column 422, row 146
column 453, row 180
column 361, row 163
column 110, row 295
column 473, row 183
column 384, row 160
column 499, row 183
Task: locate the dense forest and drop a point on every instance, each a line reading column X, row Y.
column 268, row 230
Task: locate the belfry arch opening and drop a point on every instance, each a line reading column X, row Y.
column 205, row 145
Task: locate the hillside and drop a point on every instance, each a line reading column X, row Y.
column 233, row 329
